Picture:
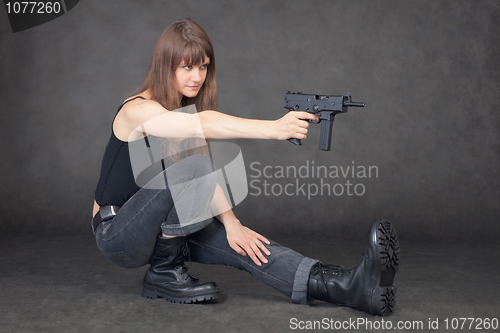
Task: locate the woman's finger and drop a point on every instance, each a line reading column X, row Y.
column 258, row 253
column 237, row 249
column 306, row 115
column 252, row 255
column 264, row 248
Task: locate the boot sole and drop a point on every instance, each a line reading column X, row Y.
column 154, row 294
column 384, row 295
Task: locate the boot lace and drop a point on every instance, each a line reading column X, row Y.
column 322, row 270
column 185, row 252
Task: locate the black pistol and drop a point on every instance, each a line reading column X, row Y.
column 323, row 106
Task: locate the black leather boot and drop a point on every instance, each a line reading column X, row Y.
column 168, row 278
column 368, row 285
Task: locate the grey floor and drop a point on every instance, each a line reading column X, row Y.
column 63, row 284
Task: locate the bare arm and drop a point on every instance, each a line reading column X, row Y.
column 218, row 125
column 148, row 117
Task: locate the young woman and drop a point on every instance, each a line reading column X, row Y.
column 138, row 225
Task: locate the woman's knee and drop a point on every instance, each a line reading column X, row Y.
column 197, row 165
column 194, row 172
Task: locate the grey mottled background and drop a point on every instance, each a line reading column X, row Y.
column 428, row 71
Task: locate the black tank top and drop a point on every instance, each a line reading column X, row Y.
column 116, row 182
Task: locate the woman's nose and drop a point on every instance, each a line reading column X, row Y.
column 195, row 76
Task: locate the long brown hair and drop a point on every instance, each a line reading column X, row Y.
column 181, row 40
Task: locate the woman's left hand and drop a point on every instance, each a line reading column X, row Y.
column 246, row 241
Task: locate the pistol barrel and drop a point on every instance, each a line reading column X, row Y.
column 358, row 104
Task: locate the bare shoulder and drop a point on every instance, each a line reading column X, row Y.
column 133, row 114
column 142, row 109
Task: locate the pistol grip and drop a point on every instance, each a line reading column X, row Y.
column 297, row 142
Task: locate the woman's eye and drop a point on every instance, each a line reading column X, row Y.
column 187, row 67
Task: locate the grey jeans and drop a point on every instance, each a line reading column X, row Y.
column 128, row 240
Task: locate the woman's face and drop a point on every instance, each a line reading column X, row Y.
column 190, row 78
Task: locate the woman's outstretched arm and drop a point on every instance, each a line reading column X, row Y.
column 146, row 117
column 217, row 125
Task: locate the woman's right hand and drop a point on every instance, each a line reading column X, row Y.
column 293, row 125
column 245, row 241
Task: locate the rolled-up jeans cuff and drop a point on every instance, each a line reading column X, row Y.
column 177, row 230
column 301, row 280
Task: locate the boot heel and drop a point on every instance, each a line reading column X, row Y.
column 151, row 294
column 383, row 300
